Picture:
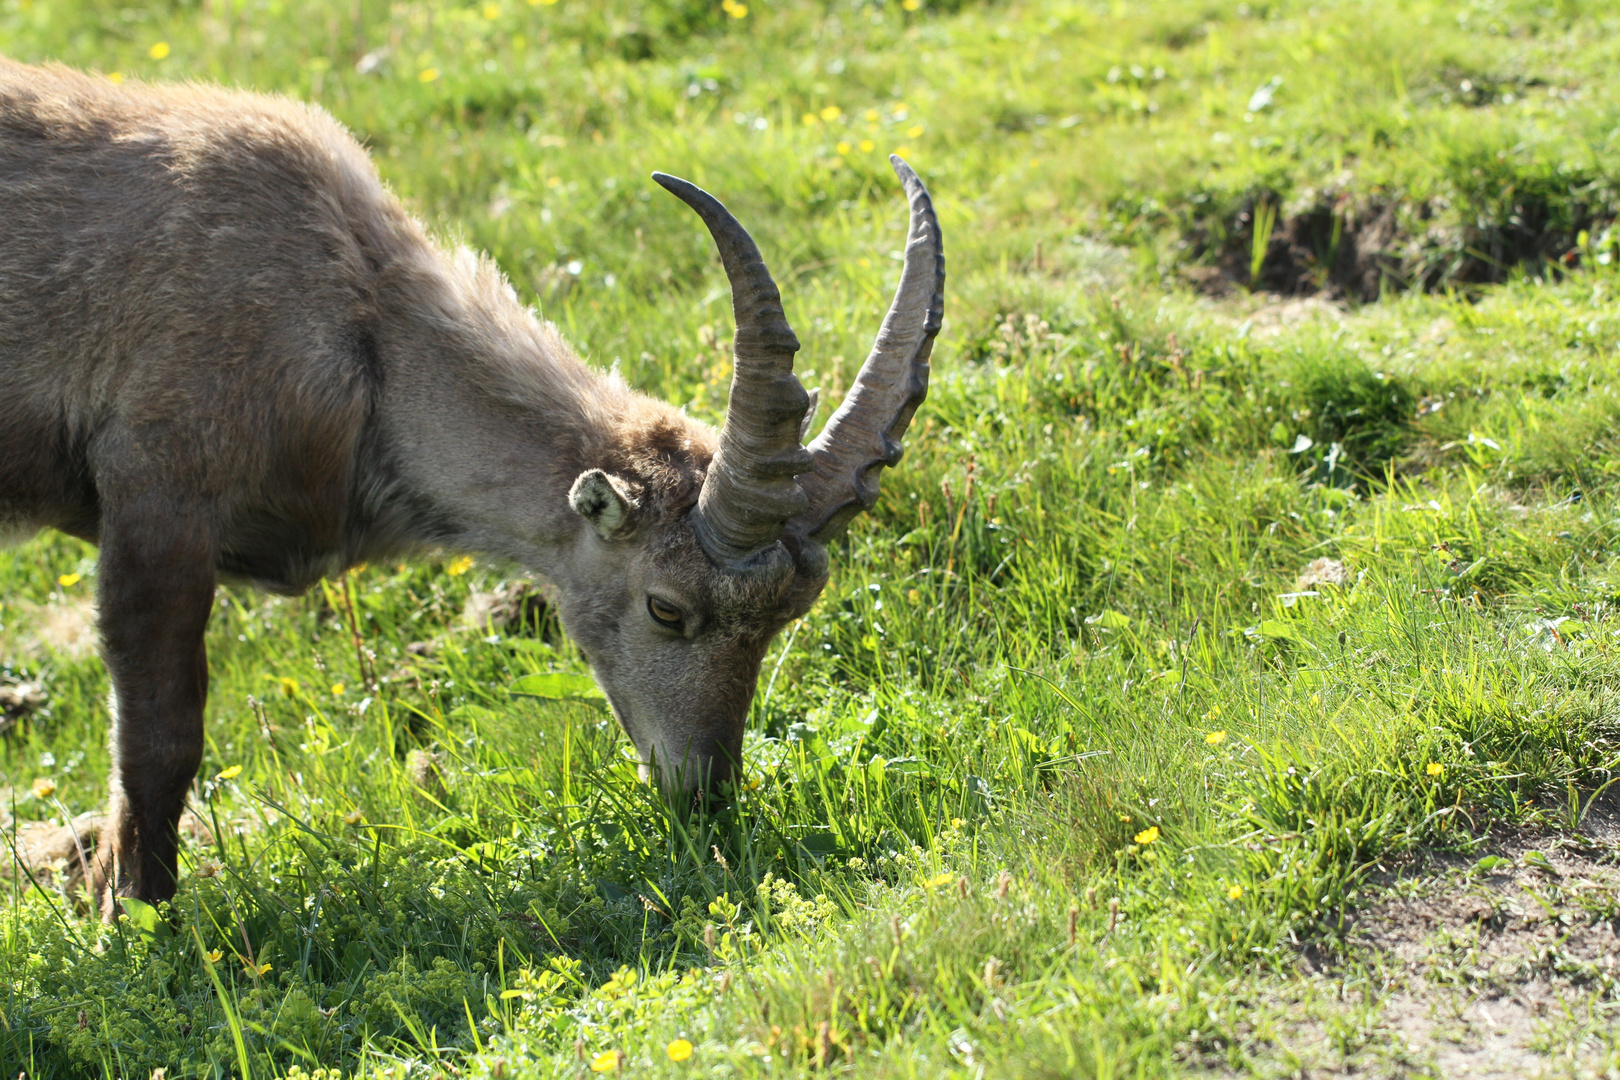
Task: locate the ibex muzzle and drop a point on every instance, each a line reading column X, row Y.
column 226, row 351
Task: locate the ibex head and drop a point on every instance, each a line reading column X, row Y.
column 677, row 600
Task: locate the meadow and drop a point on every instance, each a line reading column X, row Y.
column 1250, row 577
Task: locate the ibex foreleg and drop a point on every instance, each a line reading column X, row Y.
column 156, row 591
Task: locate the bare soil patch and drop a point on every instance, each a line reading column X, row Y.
column 1328, row 248
column 1504, row 963
column 65, row 627
column 511, row 607
column 58, row 853
column 1507, row 972
column 1356, row 248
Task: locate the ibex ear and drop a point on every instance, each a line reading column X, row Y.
column 604, row 501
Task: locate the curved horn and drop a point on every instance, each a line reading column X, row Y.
column 750, row 491
column 864, row 434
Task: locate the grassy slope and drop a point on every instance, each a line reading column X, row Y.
column 1017, row 673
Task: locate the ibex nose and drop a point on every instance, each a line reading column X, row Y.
column 702, row 776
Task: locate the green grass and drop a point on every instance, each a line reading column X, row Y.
column 990, row 825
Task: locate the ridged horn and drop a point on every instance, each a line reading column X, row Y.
column 863, row 436
column 750, row 492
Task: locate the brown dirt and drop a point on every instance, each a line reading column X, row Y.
column 63, row 627
column 515, row 607
column 51, row 851
column 1356, row 248
column 18, row 701
column 1333, row 247
column 1510, row 971
column 56, row 853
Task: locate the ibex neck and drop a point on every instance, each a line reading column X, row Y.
column 487, row 417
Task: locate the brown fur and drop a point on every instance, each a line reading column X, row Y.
column 226, row 351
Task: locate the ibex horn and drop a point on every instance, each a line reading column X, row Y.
column 750, row 491
column 864, row 434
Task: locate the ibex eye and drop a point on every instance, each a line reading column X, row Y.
column 664, row 614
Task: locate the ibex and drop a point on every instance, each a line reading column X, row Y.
column 227, row 352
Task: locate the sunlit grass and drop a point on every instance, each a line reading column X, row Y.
column 1077, row 747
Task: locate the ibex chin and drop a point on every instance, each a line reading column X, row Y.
column 226, row 352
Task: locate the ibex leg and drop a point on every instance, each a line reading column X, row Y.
column 156, row 590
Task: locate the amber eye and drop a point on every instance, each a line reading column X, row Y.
column 664, row 614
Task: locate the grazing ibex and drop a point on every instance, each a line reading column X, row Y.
column 227, row 352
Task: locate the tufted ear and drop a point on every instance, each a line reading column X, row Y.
column 604, row 501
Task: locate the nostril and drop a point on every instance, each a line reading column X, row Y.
column 699, row 765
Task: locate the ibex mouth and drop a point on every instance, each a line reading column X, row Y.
column 702, row 780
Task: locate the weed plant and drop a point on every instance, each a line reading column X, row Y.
column 1182, row 625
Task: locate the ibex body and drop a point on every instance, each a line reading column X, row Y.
column 227, row 352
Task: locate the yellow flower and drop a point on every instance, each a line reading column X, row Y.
column 1435, row 768
column 911, row 5
column 844, row 148
column 871, row 116
column 354, row 817
column 551, row 182
column 1235, row 893
column 679, row 1050
column 867, row 146
column 606, row 1060
column 914, row 131
column 537, row 3
column 229, row 774
column 337, row 689
column 44, row 787
column 1215, row 738
column 734, row 9
column 809, row 119
column 115, row 76
column 69, row 579
column 831, row 113
column 159, row 50
column 492, row 12
column 1148, row 835
column 1214, row 713
column 427, row 75
column 902, row 151
column 215, row 956
column 460, row 566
